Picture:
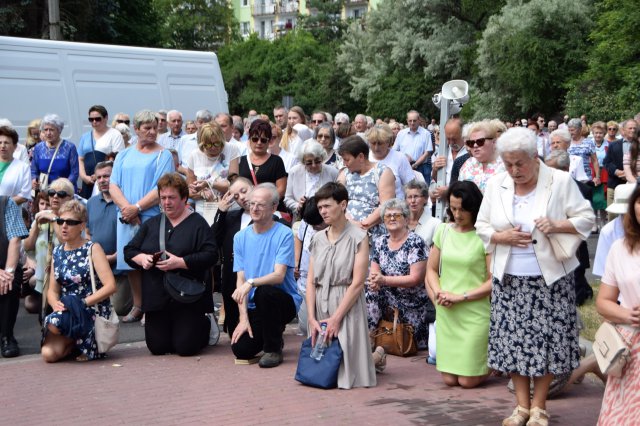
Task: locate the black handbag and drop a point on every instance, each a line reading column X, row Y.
column 181, row 289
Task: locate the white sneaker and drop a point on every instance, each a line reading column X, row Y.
column 214, row 333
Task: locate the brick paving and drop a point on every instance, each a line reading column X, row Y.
column 133, row 387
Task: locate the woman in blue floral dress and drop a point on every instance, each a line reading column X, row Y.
column 369, row 184
column 70, row 328
column 398, row 267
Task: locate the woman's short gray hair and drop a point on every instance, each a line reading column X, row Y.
column 313, row 148
column 518, row 139
column 394, row 204
column 325, row 125
column 143, row 117
column 560, row 159
column 275, row 197
column 416, row 184
column 52, row 120
column 562, row 134
column 576, row 123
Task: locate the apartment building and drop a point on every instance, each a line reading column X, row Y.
column 273, row 18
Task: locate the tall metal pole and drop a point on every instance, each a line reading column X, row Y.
column 54, row 20
column 442, row 152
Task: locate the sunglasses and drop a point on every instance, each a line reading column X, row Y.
column 312, row 162
column 96, row 119
column 612, row 128
column 70, row 222
column 393, row 215
column 127, row 122
column 256, row 139
column 317, row 121
column 480, row 142
column 320, row 136
column 60, row 194
column 213, row 145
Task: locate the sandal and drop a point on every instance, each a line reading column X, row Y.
column 82, row 358
column 379, row 359
column 519, row 417
column 539, row 417
column 134, row 315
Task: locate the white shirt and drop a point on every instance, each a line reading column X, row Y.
column 576, row 169
column 427, row 225
column 110, row 142
column 169, row 141
column 240, row 146
column 21, row 153
column 188, row 144
column 609, row 234
column 413, row 144
column 288, row 159
column 16, row 180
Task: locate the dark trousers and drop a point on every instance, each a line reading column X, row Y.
column 274, row 310
column 178, row 329
column 9, row 305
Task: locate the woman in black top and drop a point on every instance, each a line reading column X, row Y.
column 190, row 250
column 259, row 165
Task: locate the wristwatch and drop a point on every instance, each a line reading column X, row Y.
column 9, row 270
column 139, row 208
column 251, row 282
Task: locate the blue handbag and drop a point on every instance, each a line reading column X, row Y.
column 321, row 373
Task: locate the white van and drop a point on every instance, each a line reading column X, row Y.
column 43, row 76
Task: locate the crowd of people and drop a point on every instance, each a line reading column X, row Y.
column 334, row 223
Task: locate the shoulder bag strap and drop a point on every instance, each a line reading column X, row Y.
column 304, row 234
column 162, row 231
column 93, row 275
column 253, row 174
column 54, row 156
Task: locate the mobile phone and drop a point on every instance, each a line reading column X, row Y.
column 157, row 256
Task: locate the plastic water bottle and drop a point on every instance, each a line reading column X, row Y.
column 318, row 349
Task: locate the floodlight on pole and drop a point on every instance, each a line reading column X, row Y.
column 450, row 100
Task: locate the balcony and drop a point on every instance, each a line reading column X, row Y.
column 288, row 7
column 261, row 9
column 348, row 3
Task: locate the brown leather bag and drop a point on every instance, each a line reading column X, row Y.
column 395, row 337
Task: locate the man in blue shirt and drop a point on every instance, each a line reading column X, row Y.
column 101, row 228
column 415, row 143
column 266, row 291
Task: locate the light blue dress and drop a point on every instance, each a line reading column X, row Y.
column 137, row 173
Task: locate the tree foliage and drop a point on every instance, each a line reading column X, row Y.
column 608, row 89
column 413, row 46
column 196, row 24
column 527, row 53
column 324, row 22
column 258, row 73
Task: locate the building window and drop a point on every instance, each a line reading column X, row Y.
column 245, row 3
column 244, row 26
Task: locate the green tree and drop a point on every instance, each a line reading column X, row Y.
column 608, row 89
column 324, row 21
column 258, row 73
column 196, row 24
column 405, row 50
column 527, row 54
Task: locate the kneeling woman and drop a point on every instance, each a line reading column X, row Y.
column 71, row 325
column 459, row 282
column 335, row 296
column 172, row 326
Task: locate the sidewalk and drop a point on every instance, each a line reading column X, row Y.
column 132, row 386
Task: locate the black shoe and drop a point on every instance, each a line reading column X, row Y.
column 10, row 347
column 270, row 359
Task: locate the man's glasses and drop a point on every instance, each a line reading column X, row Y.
column 317, row 121
column 256, row 139
column 312, row 162
column 480, row 142
column 95, row 119
column 70, row 222
column 127, row 122
column 60, row 194
column 257, row 206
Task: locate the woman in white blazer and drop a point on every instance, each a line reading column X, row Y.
column 308, row 176
column 531, row 220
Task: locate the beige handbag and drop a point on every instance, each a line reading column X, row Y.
column 564, row 245
column 611, row 350
column 107, row 330
column 43, row 179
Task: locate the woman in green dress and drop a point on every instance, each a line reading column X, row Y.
column 458, row 282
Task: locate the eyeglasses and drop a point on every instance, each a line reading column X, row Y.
column 317, row 121
column 96, row 119
column 127, row 122
column 60, row 194
column 393, row 216
column 612, row 128
column 339, row 123
column 312, row 162
column 70, row 222
column 320, row 136
column 480, row 142
column 257, row 206
column 256, row 139
column 414, row 197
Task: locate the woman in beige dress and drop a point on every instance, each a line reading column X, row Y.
column 335, row 287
